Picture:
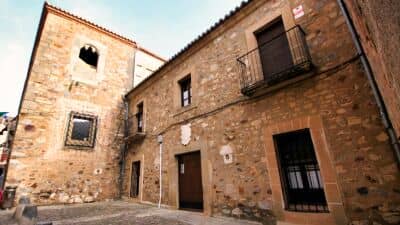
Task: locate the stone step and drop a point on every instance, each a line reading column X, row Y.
column 286, row 223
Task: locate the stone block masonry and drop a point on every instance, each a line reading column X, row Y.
column 378, row 29
column 239, row 171
column 229, row 136
column 42, row 165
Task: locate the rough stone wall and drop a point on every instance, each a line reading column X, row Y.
column 378, row 26
column 221, row 116
column 41, row 165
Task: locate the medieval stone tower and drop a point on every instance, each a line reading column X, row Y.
column 70, row 123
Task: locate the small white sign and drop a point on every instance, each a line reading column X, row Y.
column 185, row 134
column 227, row 154
column 298, row 12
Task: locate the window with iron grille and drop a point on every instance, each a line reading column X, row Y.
column 81, row 130
column 186, row 91
column 300, row 174
column 139, row 117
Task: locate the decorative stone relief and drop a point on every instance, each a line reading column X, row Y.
column 186, row 134
column 227, row 154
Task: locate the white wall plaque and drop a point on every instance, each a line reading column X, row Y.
column 227, row 154
column 185, row 134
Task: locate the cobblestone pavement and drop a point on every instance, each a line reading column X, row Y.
column 121, row 213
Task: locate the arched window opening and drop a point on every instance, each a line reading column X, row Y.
column 89, row 55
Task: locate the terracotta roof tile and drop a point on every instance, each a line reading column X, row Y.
column 59, row 11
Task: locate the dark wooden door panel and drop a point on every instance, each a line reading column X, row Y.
column 190, row 183
column 135, row 179
column 274, row 49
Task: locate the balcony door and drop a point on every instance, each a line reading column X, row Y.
column 274, row 49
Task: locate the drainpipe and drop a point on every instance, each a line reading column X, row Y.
column 124, row 147
column 160, row 141
column 371, row 78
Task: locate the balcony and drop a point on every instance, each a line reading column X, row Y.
column 282, row 57
column 136, row 129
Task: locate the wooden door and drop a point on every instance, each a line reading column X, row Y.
column 274, row 49
column 190, row 183
column 135, row 179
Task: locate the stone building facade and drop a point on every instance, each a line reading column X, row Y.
column 70, row 123
column 378, row 27
column 269, row 105
column 212, row 103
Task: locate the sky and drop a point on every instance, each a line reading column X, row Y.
column 162, row 26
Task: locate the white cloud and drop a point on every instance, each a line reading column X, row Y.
column 98, row 13
column 15, row 48
column 13, row 66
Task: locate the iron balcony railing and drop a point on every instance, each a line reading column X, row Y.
column 282, row 57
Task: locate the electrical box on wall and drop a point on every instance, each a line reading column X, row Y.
column 160, row 139
column 298, row 12
column 227, row 154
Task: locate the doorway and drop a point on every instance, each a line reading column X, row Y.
column 274, row 49
column 190, row 182
column 135, row 179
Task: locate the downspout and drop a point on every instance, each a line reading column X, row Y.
column 371, row 78
column 160, row 141
column 124, row 147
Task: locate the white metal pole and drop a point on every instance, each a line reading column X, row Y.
column 159, row 201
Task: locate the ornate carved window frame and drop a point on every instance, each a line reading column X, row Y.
column 92, row 135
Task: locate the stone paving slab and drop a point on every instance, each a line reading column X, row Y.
column 121, row 213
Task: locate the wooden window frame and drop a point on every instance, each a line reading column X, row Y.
column 185, row 84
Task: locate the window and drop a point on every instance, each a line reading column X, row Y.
column 81, row 130
column 277, row 53
column 139, row 117
column 89, row 55
column 300, row 175
column 186, row 91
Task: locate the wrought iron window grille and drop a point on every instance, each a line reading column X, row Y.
column 299, row 171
